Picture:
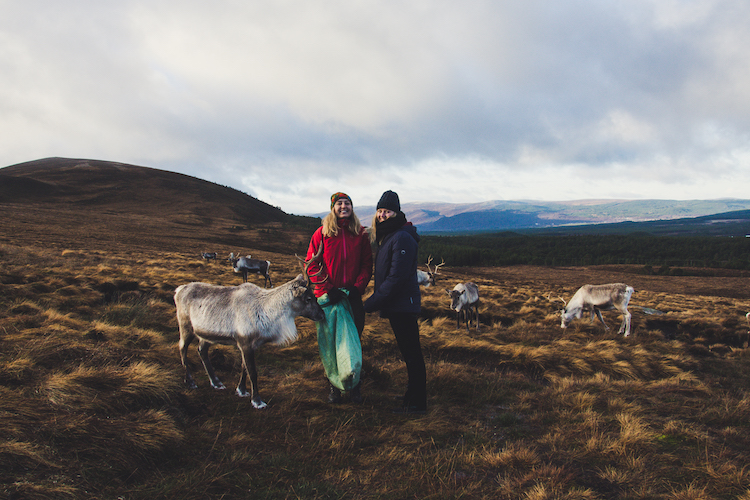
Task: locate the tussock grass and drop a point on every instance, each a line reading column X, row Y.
column 107, row 389
column 92, row 403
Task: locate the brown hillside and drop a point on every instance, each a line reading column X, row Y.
column 102, row 202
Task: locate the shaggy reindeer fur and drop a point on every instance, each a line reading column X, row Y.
column 245, row 315
column 597, row 298
column 464, row 299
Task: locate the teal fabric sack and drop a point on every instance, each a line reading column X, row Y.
column 338, row 342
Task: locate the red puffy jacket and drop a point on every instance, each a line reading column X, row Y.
column 347, row 260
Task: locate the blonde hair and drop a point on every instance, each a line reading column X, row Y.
column 372, row 230
column 331, row 226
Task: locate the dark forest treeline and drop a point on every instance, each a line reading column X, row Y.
column 507, row 249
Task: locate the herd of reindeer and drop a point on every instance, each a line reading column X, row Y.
column 208, row 312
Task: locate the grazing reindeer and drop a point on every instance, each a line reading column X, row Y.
column 246, row 316
column 207, row 256
column 430, row 277
column 245, row 265
column 464, row 298
column 598, row 298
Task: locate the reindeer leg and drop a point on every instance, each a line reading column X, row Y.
column 249, row 370
column 186, row 337
column 625, row 326
column 203, row 347
column 477, row 310
column 599, row 315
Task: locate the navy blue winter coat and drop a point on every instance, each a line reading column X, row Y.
column 396, row 287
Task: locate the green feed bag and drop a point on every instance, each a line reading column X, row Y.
column 338, row 341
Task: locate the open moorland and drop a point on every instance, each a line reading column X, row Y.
column 93, row 405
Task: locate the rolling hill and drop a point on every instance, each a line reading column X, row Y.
column 140, row 204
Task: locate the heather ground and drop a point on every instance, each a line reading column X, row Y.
column 92, row 403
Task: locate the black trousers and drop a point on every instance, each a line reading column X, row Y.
column 358, row 312
column 406, row 330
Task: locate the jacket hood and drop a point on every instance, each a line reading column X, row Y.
column 412, row 230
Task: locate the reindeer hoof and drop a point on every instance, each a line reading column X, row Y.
column 258, row 404
column 242, row 393
column 218, row 385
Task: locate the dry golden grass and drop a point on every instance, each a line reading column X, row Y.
column 92, row 403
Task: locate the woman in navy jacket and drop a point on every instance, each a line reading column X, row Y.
column 397, row 294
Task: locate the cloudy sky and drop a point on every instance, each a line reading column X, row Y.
column 290, row 101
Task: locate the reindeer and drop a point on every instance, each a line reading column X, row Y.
column 430, row 277
column 246, row 316
column 207, row 256
column 245, row 265
column 598, row 298
column 464, row 298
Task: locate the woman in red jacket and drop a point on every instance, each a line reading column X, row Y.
column 347, row 266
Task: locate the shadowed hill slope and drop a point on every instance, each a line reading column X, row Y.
column 131, row 203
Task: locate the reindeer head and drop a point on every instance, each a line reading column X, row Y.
column 432, row 273
column 455, row 296
column 305, row 303
column 566, row 316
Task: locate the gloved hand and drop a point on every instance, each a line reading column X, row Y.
column 368, row 306
column 335, row 295
column 353, row 292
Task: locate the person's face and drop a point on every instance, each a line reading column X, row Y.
column 383, row 214
column 342, row 208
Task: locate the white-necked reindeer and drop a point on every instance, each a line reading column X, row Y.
column 464, row 299
column 246, row 316
column 430, row 277
column 598, row 298
column 246, row 265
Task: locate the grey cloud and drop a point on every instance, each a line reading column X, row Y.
column 268, row 90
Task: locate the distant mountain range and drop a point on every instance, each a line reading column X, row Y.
column 491, row 216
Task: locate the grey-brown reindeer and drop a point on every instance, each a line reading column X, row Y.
column 598, row 298
column 246, row 316
column 464, row 300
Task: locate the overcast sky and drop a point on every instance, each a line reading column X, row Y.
column 290, row 101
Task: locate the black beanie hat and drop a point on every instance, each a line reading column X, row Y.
column 389, row 201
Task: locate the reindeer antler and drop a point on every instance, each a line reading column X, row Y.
column 439, row 266
column 558, row 298
column 306, row 265
column 429, row 261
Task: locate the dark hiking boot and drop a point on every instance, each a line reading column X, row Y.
column 334, row 395
column 356, row 394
